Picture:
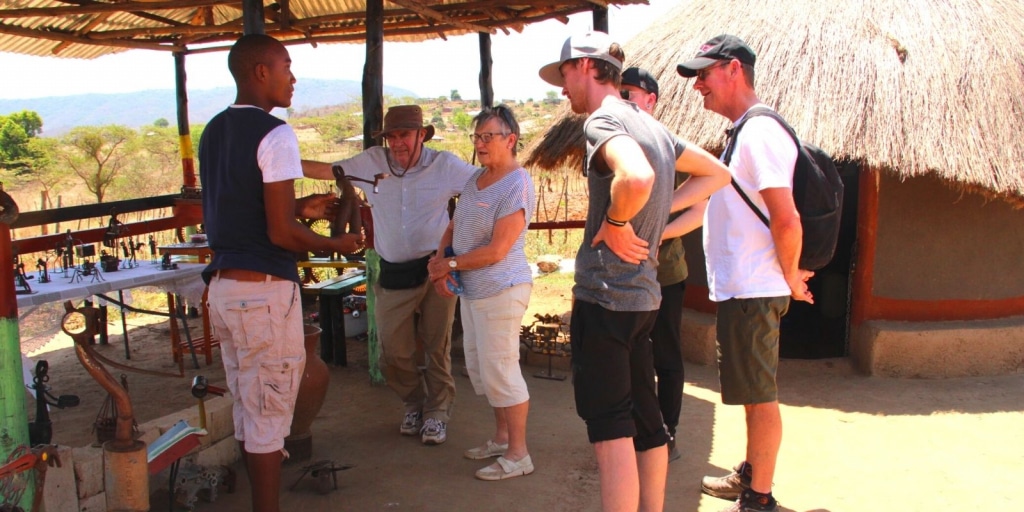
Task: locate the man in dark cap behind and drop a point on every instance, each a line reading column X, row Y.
column 640, row 87
column 752, row 268
column 410, row 214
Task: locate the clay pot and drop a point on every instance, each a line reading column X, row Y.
column 312, row 391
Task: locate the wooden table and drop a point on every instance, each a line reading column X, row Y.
column 331, row 294
column 201, row 251
column 329, row 263
column 175, row 281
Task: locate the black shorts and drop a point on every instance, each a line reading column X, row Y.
column 613, row 375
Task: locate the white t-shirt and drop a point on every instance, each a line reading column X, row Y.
column 278, row 153
column 738, row 247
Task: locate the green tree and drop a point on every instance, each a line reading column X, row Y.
column 99, row 154
column 455, row 95
column 154, row 167
column 47, row 170
column 161, row 123
column 16, row 130
column 13, row 144
column 438, row 122
column 461, row 119
column 29, row 121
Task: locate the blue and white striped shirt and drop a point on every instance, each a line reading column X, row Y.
column 475, row 216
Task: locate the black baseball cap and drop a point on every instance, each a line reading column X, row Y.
column 719, row 48
column 638, row 77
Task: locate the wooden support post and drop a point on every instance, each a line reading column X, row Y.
column 486, row 63
column 601, row 18
column 252, row 17
column 188, row 168
column 14, row 422
column 373, row 72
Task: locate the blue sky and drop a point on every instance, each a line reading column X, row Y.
column 430, row 68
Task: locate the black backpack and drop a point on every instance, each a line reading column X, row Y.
column 817, row 192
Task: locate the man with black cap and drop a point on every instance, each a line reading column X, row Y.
column 752, row 269
column 631, row 160
column 640, row 87
column 410, row 214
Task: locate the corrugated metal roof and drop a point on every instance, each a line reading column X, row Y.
column 53, row 28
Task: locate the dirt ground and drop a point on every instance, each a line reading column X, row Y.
column 851, row 443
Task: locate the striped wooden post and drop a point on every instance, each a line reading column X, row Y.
column 14, row 423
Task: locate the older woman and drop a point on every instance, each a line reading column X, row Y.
column 487, row 236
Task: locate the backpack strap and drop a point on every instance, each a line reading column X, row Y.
column 751, row 204
column 734, row 132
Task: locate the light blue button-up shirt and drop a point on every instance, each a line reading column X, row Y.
column 410, row 213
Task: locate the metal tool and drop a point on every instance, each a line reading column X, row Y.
column 324, row 473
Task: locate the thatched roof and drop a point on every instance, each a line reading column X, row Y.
column 913, row 88
column 88, row 29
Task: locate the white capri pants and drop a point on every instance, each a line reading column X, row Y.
column 491, row 342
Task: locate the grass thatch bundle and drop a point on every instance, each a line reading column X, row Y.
column 913, row 88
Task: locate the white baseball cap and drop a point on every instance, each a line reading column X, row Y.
column 592, row 45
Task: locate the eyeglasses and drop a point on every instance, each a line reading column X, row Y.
column 485, row 137
column 703, row 74
column 506, row 115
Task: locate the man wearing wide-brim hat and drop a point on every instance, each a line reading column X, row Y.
column 410, row 214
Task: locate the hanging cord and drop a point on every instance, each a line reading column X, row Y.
column 391, row 166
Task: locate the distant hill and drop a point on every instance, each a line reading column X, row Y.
column 134, row 109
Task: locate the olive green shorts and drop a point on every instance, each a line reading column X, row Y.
column 748, row 348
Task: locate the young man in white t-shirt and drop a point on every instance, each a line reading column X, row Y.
column 752, row 269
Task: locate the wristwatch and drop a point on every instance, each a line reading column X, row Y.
column 452, row 264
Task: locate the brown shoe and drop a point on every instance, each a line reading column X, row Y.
column 728, row 487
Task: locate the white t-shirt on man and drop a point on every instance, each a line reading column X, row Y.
column 738, row 247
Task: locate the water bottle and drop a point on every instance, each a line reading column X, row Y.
column 455, row 283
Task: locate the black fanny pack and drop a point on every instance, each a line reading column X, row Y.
column 401, row 276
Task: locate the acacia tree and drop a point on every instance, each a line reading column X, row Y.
column 155, row 166
column 47, row 170
column 98, row 154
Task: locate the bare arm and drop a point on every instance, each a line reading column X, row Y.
column 707, row 175
column 690, row 220
column 631, row 188
column 288, row 233
column 317, row 170
column 787, row 234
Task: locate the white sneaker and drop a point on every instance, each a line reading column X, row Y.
column 434, row 431
column 412, row 424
